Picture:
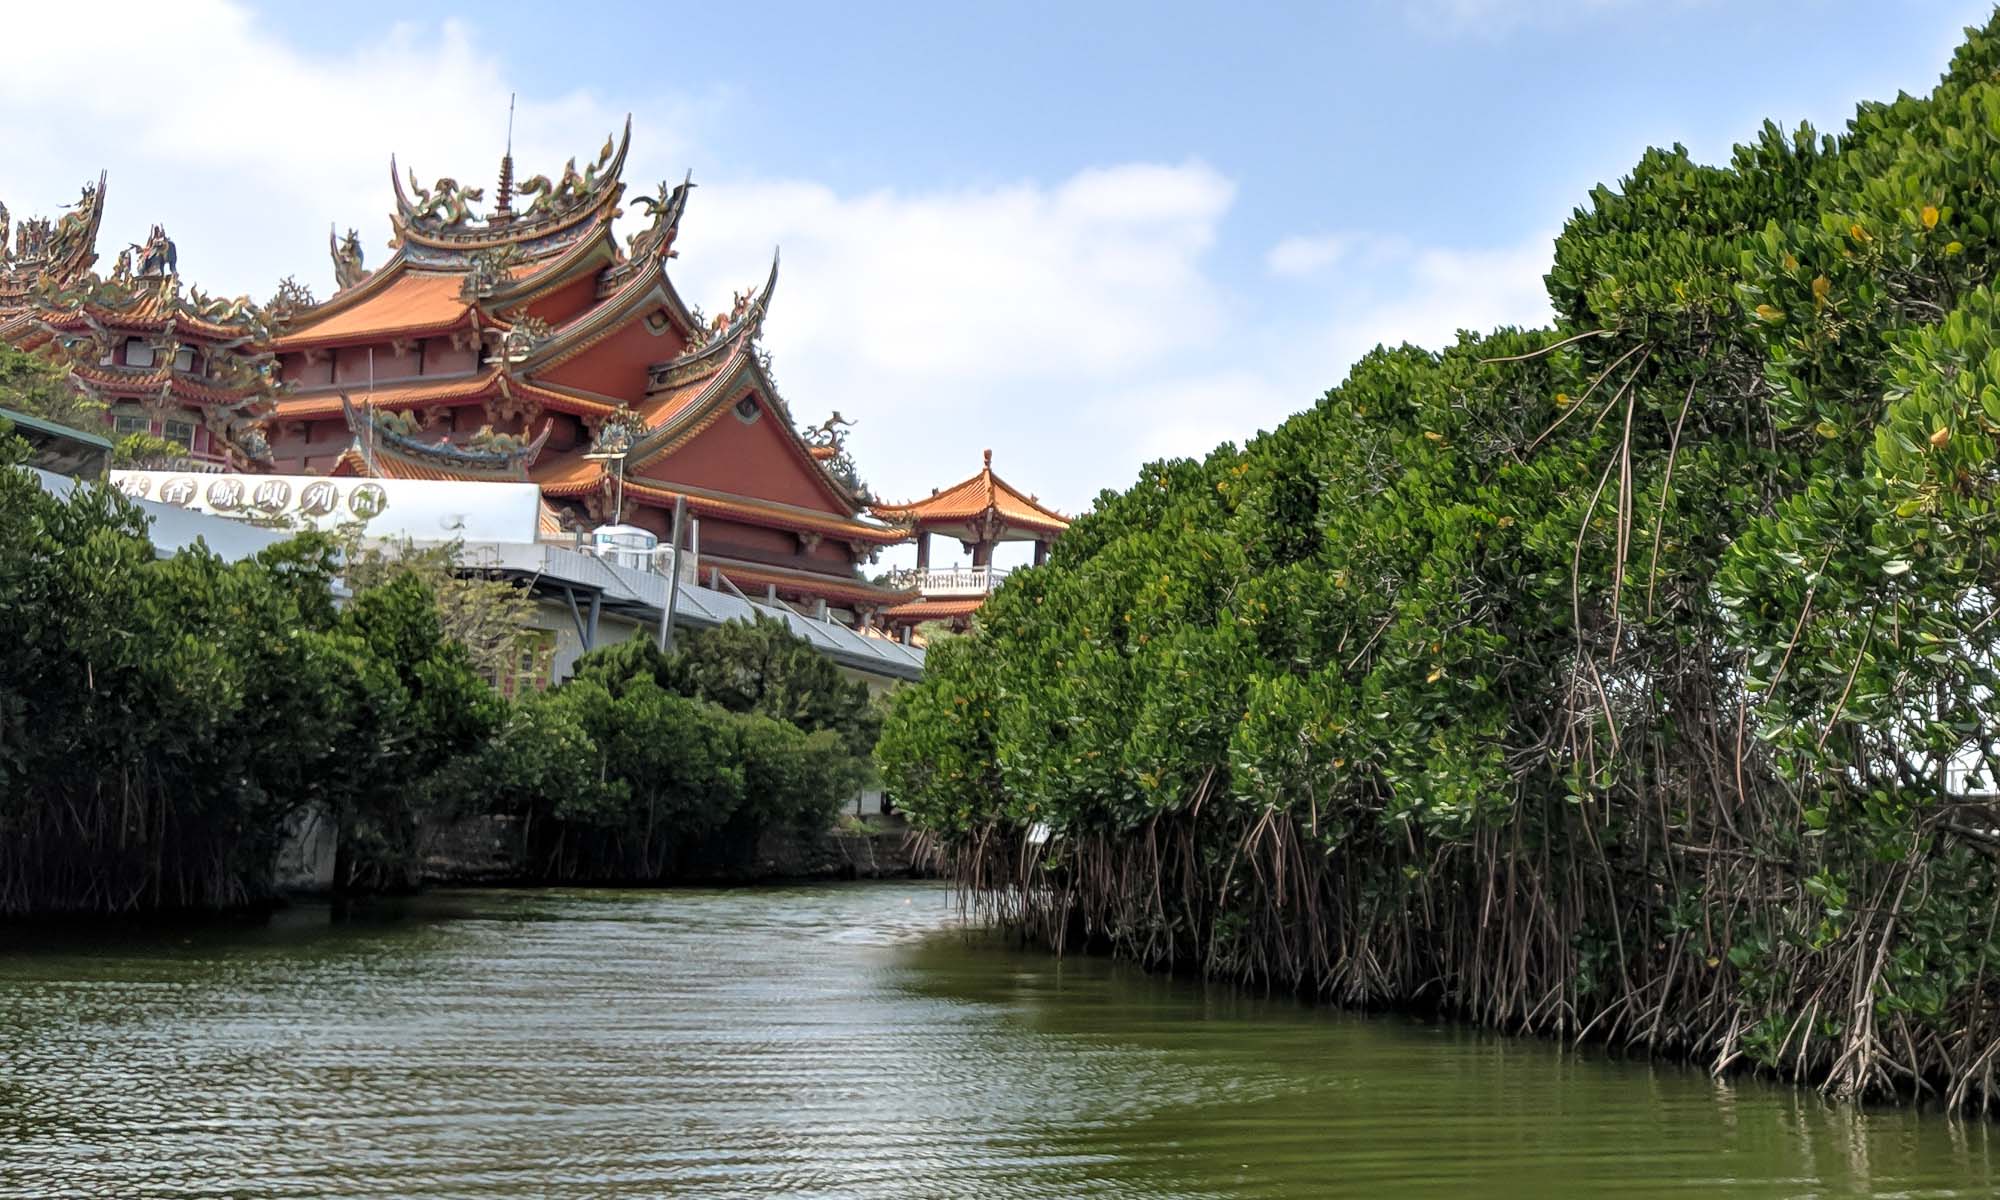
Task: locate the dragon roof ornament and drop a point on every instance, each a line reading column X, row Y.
column 487, row 453
column 40, row 252
column 440, row 228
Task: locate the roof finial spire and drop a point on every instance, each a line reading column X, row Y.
column 989, row 460
column 503, row 211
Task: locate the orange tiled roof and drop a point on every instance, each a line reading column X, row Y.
column 973, row 498
column 769, row 512
column 149, row 313
column 563, row 401
column 410, row 304
column 752, row 578
column 185, row 386
column 412, row 391
column 933, row 610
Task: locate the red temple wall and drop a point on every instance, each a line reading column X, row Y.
column 567, row 301
column 348, row 365
column 748, row 459
column 293, row 368
column 617, row 366
column 565, row 432
column 725, row 538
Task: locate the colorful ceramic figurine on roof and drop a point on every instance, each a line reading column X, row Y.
column 163, row 358
column 505, row 343
column 40, row 252
column 981, row 512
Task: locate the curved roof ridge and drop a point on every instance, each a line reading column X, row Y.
column 974, row 497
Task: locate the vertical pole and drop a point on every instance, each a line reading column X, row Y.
column 673, row 580
column 923, row 550
column 1041, row 552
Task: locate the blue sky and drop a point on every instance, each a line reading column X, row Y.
column 1081, row 234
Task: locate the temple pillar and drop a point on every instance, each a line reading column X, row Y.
column 982, row 554
column 924, row 550
column 1041, row 552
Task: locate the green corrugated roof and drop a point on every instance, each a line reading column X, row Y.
column 54, row 430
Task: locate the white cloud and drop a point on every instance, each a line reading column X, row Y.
column 1426, row 295
column 248, row 157
column 1076, row 326
column 1297, row 256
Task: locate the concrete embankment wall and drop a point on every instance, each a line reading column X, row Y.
column 481, row 850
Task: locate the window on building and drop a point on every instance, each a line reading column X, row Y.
column 138, row 352
column 181, row 432
column 128, row 423
column 535, row 655
column 747, row 409
column 184, row 359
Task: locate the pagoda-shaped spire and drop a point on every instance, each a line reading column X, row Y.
column 503, row 200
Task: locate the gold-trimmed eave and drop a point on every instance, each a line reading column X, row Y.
column 594, row 253
column 693, row 417
column 930, row 608
column 521, row 232
column 158, row 383
column 833, row 587
column 570, row 481
column 91, row 319
column 645, row 288
column 401, row 393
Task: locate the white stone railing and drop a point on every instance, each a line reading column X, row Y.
column 950, row 581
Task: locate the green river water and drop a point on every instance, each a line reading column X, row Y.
column 829, row 1041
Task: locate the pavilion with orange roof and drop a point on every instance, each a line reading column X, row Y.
column 981, row 513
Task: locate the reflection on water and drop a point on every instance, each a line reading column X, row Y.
column 832, row 1041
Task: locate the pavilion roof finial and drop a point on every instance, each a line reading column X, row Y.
column 989, row 460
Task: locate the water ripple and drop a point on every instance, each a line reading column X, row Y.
column 827, row 1042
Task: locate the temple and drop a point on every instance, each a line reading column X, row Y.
column 524, row 343
column 530, row 343
column 981, row 513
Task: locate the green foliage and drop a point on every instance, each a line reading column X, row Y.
column 163, row 721
column 487, row 616
column 646, row 766
column 1622, row 677
column 145, row 452
column 37, row 388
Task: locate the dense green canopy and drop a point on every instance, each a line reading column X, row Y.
column 1618, row 678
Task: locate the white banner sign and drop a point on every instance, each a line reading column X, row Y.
column 422, row 509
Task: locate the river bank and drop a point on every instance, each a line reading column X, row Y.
column 847, row 1040
column 484, row 851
